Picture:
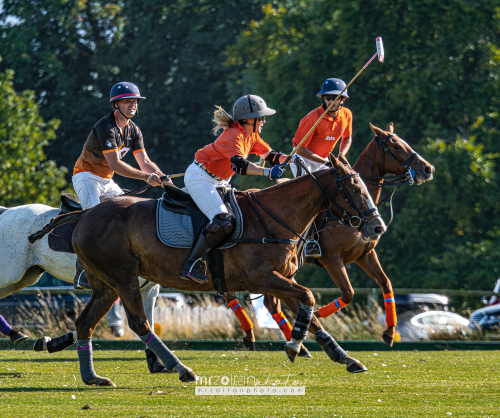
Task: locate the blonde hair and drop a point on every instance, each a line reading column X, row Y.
column 222, row 120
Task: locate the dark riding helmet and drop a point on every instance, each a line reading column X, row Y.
column 124, row 90
column 333, row 86
column 250, row 107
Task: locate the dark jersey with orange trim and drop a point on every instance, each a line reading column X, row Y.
column 106, row 137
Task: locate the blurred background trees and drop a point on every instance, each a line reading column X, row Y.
column 439, row 85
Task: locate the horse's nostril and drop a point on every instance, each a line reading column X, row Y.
column 428, row 169
column 378, row 230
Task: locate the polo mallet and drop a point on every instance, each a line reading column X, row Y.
column 380, row 53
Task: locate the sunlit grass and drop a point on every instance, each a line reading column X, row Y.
column 398, row 384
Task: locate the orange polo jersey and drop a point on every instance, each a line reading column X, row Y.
column 217, row 155
column 323, row 139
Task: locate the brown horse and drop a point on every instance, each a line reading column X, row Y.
column 341, row 246
column 128, row 247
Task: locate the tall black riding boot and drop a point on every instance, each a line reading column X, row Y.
column 80, row 281
column 192, row 267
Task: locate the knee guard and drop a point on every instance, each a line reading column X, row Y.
column 221, row 227
column 302, row 322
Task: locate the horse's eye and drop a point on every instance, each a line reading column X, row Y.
column 397, row 147
column 356, row 190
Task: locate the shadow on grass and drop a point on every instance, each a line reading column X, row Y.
column 62, row 360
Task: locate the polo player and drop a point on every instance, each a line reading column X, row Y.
column 108, row 142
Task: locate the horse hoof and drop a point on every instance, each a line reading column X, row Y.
column 100, row 381
column 353, row 365
column 304, row 352
column 388, row 340
column 291, row 353
column 249, row 345
column 41, row 344
column 189, row 376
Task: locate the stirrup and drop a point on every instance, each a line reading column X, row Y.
column 189, row 276
column 79, row 283
column 312, row 249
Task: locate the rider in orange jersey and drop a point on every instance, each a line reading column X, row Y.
column 216, row 163
column 336, row 125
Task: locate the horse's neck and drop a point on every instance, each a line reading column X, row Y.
column 295, row 202
column 370, row 164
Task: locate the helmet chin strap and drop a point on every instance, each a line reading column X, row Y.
column 125, row 116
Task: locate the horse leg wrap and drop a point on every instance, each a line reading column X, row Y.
column 390, row 309
column 154, row 363
column 332, row 349
column 245, row 322
column 284, row 325
column 84, row 348
column 61, row 343
column 302, row 322
column 156, row 346
column 331, row 308
column 5, row 328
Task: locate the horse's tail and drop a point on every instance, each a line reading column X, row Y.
column 3, row 209
column 54, row 223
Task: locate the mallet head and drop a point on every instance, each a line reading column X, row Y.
column 380, row 49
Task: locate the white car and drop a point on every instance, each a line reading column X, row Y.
column 418, row 325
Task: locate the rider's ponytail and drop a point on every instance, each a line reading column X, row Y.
column 222, row 120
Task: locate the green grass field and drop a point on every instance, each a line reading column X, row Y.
column 398, row 384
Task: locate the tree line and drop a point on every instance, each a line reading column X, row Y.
column 438, row 84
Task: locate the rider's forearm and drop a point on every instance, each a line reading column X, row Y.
column 126, row 170
column 345, row 145
column 150, row 168
column 255, row 170
column 304, row 152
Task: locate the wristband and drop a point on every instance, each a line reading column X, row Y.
column 267, row 172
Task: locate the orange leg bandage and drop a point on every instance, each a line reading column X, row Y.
column 390, row 309
column 331, row 308
column 245, row 322
column 284, row 325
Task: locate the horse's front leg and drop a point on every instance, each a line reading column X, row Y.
column 327, row 342
column 336, row 268
column 370, row 264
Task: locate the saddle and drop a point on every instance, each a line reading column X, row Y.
column 60, row 237
column 179, row 220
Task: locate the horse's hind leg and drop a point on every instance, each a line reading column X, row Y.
column 128, row 290
column 248, row 340
column 101, row 301
column 327, row 342
column 370, row 264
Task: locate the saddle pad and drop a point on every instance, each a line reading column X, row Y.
column 60, row 238
column 176, row 229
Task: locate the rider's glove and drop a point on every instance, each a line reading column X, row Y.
column 276, row 171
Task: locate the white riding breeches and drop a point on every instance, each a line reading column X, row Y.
column 92, row 189
column 311, row 165
column 202, row 188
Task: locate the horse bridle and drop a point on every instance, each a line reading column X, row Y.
column 357, row 221
column 409, row 174
column 405, row 179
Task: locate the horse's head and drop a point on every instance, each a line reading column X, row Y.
column 399, row 158
column 354, row 201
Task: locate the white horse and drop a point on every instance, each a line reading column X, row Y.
column 22, row 264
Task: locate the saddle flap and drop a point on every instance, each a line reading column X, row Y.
column 70, row 203
column 178, row 196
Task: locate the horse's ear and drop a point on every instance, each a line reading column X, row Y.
column 334, row 162
column 343, row 160
column 378, row 132
column 390, row 128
